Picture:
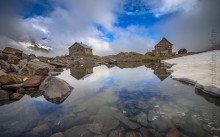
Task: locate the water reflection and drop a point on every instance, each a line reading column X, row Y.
column 115, row 101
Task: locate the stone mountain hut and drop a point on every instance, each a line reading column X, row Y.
column 163, row 48
column 80, row 49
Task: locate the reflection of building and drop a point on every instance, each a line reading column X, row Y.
column 81, row 72
column 80, row 49
column 159, row 70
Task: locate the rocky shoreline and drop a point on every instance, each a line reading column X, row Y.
column 198, row 70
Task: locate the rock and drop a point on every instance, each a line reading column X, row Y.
column 95, row 128
column 105, row 116
column 2, row 73
column 57, row 64
column 34, row 67
column 58, row 70
column 43, row 130
column 13, row 51
column 14, row 68
column 4, row 65
column 141, row 118
column 78, row 131
column 3, row 56
column 150, row 132
column 21, row 91
column 16, row 96
column 133, row 134
column 10, row 79
column 4, row 95
column 54, row 73
column 55, row 89
column 103, row 135
column 12, row 86
column 33, row 81
column 117, row 133
column 59, row 134
column 173, row 133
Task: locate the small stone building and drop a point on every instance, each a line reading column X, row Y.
column 163, row 48
column 80, row 49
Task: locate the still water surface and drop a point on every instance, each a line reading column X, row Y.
column 109, row 100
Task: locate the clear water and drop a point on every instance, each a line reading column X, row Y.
column 113, row 97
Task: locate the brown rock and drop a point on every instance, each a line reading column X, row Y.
column 16, row 52
column 12, row 86
column 117, row 133
column 4, row 65
column 14, row 68
column 59, row 134
column 173, row 133
column 2, row 73
column 33, row 81
column 16, row 96
column 10, row 79
column 40, row 128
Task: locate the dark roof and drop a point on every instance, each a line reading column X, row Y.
column 164, row 40
column 81, row 44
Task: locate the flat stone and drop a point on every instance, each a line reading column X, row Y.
column 95, row 128
column 78, row 131
column 33, row 81
column 12, row 86
column 59, row 134
column 16, row 96
column 141, row 118
column 10, row 79
column 55, row 89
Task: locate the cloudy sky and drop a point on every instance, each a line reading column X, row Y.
column 108, row 26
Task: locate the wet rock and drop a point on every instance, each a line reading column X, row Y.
column 105, row 116
column 14, row 68
column 33, row 81
column 4, row 65
column 43, row 130
column 2, row 73
column 141, row 118
column 117, row 133
column 34, row 67
column 173, row 133
column 12, row 86
column 21, row 91
column 54, row 73
column 59, row 134
column 4, row 95
column 10, row 79
column 55, row 89
column 133, row 134
column 16, row 96
column 95, row 128
column 78, row 131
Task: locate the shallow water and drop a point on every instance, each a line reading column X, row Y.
column 144, row 100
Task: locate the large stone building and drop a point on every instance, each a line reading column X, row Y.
column 80, row 49
column 163, row 48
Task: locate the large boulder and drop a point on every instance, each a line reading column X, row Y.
column 10, row 79
column 13, row 51
column 33, row 81
column 35, row 67
column 4, row 65
column 55, row 89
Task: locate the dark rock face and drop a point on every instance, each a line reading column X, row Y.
column 55, row 89
column 10, row 79
column 33, row 81
column 4, row 95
